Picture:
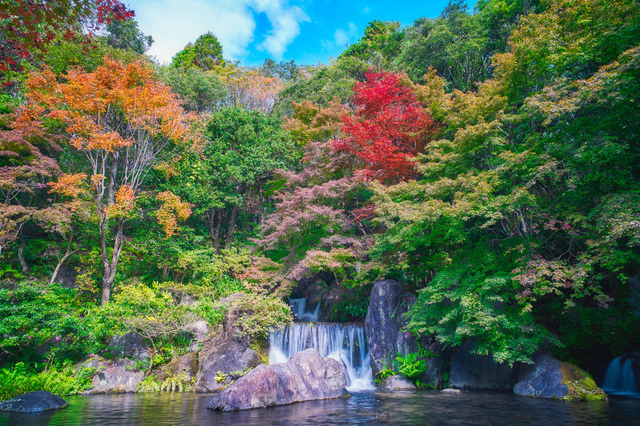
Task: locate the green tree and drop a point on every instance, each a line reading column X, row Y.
column 522, row 217
column 382, row 39
column 201, row 91
column 125, row 34
column 205, row 54
column 228, row 176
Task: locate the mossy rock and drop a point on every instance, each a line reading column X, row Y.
column 581, row 386
column 549, row 378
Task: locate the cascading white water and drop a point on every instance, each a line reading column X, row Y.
column 343, row 342
column 620, row 378
column 299, row 308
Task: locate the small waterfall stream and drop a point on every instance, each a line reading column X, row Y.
column 344, row 342
column 621, row 377
column 299, row 308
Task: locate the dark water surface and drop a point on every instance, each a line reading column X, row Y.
column 364, row 408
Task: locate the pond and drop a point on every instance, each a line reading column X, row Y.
column 362, row 408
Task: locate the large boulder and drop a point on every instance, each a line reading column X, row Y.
column 305, row 377
column 130, row 345
column 470, row 371
column 396, row 383
column 549, row 378
column 113, row 376
column 224, row 355
column 33, row 402
column 385, row 324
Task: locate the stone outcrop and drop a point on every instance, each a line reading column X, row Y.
column 113, row 376
column 396, row 383
column 384, row 327
column 199, row 329
column 33, row 402
column 224, row 355
column 470, row 371
column 130, row 345
column 305, row 377
column 549, row 378
column 185, row 367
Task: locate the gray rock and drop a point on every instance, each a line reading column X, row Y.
column 186, row 365
column 224, row 354
column 542, row 378
column 395, row 383
column 470, row 371
column 33, row 402
column 130, row 345
column 49, row 344
column 113, row 376
column 199, row 329
column 549, row 378
column 384, row 327
column 305, row 377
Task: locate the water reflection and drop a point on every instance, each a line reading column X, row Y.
column 363, row 408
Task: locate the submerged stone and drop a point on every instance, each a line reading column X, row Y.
column 549, row 378
column 451, row 391
column 305, row 377
column 33, row 402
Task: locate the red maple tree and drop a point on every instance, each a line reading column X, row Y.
column 388, row 129
column 27, row 27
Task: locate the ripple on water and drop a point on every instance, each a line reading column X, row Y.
column 362, row 408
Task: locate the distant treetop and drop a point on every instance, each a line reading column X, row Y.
column 204, row 54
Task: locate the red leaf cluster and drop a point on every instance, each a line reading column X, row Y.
column 388, row 129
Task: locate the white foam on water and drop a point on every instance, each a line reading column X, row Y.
column 343, row 342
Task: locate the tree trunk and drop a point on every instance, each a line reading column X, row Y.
column 165, row 272
column 110, row 266
column 261, row 204
column 232, row 225
column 234, row 216
column 61, row 261
column 23, row 245
column 214, row 227
column 216, row 235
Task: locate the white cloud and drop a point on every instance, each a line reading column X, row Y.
column 285, row 22
column 341, row 38
column 174, row 24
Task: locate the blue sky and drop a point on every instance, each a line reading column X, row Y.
column 308, row 31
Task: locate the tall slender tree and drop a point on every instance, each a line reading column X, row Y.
column 124, row 122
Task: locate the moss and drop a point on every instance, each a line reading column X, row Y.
column 261, row 347
column 581, row 385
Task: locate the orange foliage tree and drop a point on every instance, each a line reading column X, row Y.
column 125, row 122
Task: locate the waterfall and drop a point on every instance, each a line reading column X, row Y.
column 343, row 342
column 299, row 308
column 620, row 378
